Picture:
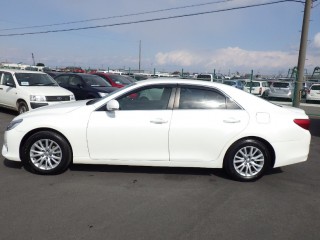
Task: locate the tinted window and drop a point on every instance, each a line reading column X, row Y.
column 194, row 98
column 152, row 98
column 75, row 81
column 252, row 84
column 95, row 81
column 315, row 87
column 280, row 85
column 63, row 80
column 206, row 77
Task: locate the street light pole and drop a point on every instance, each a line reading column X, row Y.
column 302, row 53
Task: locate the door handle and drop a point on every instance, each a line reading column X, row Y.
column 158, row 121
column 231, row 120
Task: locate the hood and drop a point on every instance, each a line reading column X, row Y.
column 47, row 90
column 56, row 109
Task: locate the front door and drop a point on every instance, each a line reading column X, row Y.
column 138, row 131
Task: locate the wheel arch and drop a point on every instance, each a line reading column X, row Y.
column 265, row 142
column 24, row 139
column 21, row 100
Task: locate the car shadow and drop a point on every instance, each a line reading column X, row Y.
column 8, row 111
column 315, row 127
column 144, row 170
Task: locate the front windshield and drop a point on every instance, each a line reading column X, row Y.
column 120, row 79
column 95, row 81
column 35, row 79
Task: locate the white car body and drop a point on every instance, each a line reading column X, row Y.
column 258, row 88
column 168, row 137
column 313, row 93
column 12, row 92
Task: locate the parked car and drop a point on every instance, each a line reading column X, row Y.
column 22, row 90
column 305, row 87
column 210, row 77
column 258, row 88
column 282, row 90
column 178, row 123
column 234, row 83
column 84, row 86
column 313, row 93
column 115, row 80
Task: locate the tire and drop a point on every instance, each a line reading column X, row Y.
column 22, row 107
column 46, row 153
column 247, row 160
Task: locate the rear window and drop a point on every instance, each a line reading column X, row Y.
column 252, row 84
column 280, row 85
column 315, row 87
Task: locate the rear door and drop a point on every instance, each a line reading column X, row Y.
column 203, row 122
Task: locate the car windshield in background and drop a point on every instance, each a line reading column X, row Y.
column 35, row 79
column 95, row 81
column 120, row 79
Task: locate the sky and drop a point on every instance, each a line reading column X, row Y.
column 225, row 36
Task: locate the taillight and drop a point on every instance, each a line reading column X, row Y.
column 304, row 123
column 260, row 91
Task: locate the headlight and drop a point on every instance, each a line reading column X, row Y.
column 102, row 94
column 72, row 98
column 37, row 98
column 13, row 124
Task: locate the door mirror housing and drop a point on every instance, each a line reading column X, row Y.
column 112, row 105
column 10, row 84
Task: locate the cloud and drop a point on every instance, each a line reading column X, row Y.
column 317, row 40
column 229, row 58
column 182, row 58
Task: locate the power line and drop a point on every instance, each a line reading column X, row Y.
column 147, row 20
column 119, row 16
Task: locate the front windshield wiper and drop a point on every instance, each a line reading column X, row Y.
column 50, row 84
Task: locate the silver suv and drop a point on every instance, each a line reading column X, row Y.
column 281, row 90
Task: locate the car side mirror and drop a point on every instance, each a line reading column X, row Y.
column 10, row 84
column 112, row 105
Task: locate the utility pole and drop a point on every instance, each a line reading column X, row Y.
column 34, row 63
column 139, row 55
column 302, row 53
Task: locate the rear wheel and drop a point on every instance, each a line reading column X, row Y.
column 247, row 160
column 46, row 152
column 22, row 107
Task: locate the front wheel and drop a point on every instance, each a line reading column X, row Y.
column 247, row 160
column 46, row 152
column 22, row 107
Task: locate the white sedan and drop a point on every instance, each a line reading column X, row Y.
column 166, row 122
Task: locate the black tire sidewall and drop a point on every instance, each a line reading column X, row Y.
column 64, row 146
column 21, row 105
column 228, row 161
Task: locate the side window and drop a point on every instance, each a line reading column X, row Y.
column 75, row 81
column 62, row 80
column 7, row 79
column 197, row 98
column 152, row 98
